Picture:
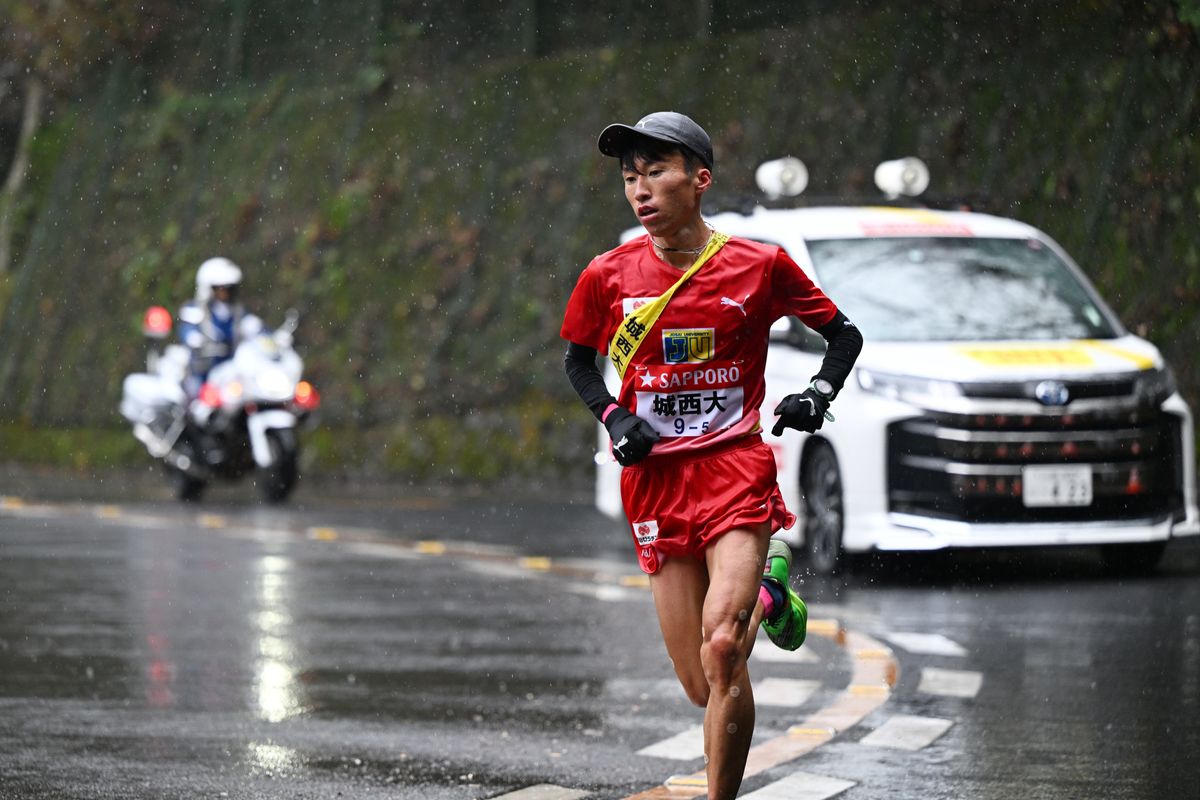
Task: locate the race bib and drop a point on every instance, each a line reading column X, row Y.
column 691, row 413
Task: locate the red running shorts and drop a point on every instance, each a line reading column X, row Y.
column 679, row 504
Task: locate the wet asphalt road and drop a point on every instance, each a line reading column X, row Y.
column 429, row 646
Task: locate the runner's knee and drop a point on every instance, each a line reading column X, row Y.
column 721, row 655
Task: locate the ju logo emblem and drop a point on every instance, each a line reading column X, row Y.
column 688, row 345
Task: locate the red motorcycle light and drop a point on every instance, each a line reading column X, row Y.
column 210, row 395
column 307, row 397
column 156, row 323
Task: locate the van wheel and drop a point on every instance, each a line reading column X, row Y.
column 1137, row 558
column 821, row 485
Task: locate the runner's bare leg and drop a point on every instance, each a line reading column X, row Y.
column 731, row 612
column 709, row 614
column 679, row 588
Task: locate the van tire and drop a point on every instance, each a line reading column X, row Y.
column 824, row 517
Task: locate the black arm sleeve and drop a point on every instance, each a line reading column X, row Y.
column 585, row 377
column 845, row 343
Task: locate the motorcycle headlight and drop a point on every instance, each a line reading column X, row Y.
column 274, row 384
column 905, row 387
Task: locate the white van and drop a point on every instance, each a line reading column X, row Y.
column 997, row 401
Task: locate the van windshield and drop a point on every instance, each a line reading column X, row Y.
column 957, row 289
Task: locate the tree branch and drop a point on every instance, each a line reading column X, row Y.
column 30, row 120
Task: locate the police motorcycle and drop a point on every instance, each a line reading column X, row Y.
column 242, row 419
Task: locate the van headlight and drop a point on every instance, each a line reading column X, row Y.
column 904, row 387
column 1154, row 386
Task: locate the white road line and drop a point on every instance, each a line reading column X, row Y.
column 801, row 786
column 683, row 746
column 604, row 592
column 497, row 569
column 380, row 550
column 904, row 732
column 543, row 791
column 765, row 650
column 786, row 692
column 950, row 682
column 932, row 644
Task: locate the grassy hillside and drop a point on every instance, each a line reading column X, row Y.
column 430, row 222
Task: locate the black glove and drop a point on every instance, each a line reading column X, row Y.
column 804, row 412
column 632, row 436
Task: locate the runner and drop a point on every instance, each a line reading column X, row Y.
column 699, row 484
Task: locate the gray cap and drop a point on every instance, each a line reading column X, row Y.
column 665, row 126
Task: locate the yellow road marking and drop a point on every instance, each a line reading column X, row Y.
column 540, row 563
column 323, row 534
column 431, row 548
column 635, row 580
column 801, row 731
column 11, row 502
column 872, row 653
column 824, row 627
column 212, row 521
column 849, row 708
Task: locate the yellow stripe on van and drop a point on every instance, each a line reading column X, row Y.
column 1080, row 354
column 1072, row 355
column 1143, row 362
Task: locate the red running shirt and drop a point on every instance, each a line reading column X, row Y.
column 698, row 375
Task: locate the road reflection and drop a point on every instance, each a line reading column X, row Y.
column 276, row 689
column 218, row 635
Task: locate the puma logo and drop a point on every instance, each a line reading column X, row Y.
column 728, row 301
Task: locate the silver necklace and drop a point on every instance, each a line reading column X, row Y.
column 689, row 250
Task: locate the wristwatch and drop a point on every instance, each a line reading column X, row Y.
column 823, row 388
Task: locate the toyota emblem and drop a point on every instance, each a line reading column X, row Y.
column 1052, row 393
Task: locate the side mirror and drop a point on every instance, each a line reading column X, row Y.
column 291, row 321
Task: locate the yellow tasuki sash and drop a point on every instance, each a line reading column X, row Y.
column 637, row 324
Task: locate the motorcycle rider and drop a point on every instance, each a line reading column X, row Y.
column 212, row 325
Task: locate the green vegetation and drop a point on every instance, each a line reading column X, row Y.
column 427, row 210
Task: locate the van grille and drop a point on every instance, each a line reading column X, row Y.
column 1122, row 387
column 968, row 467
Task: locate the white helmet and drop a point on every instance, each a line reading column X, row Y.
column 215, row 272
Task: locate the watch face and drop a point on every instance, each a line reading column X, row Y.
column 823, row 386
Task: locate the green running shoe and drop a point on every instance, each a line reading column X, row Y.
column 790, row 624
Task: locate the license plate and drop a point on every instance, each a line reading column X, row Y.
column 1054, row 485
